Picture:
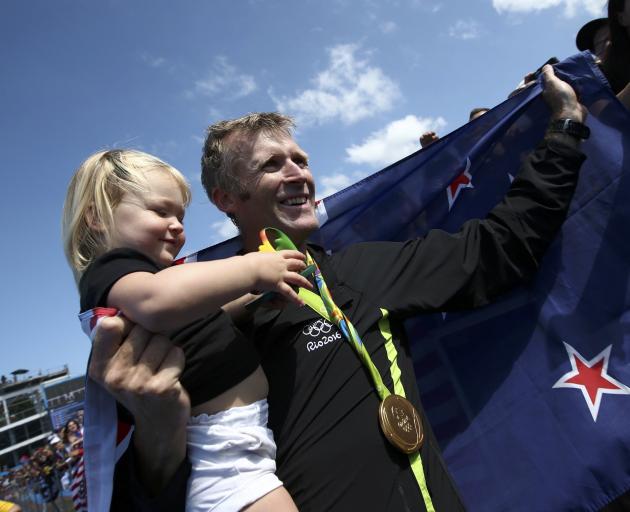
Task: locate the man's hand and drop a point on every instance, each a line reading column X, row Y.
column 561, row 97
column 141, row 370
column 428, row 138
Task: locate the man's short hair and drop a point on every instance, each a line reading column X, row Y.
column 475, row 112
column 218, row 157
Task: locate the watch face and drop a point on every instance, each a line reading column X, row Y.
column 570, row 127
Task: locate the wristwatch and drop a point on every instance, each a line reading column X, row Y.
column 570, row 127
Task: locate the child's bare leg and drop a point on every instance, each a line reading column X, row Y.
column 277, row 500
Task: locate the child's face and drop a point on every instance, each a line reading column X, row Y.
column 152, row 224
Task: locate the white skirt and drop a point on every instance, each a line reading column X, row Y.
column 233, row 457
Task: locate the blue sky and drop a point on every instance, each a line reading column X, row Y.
column 362, row 77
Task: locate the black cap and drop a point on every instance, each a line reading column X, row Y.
column 584, row 39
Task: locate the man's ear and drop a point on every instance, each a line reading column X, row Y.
column 224, row 201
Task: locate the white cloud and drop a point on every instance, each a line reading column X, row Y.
column 224, row 229
column 464, row 29
column 223, row 78
column 387, row 27
column 571, row 7
column 397, row 140
column 349, row 89
column 331, row 183
column 154, row 62
column 523, row 5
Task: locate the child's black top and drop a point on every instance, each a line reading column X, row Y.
column 218, row 356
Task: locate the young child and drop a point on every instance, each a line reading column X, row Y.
column 122, row 229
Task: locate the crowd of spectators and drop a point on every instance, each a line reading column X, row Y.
column 51, row 478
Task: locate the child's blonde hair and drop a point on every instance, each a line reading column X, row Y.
column 95, row 190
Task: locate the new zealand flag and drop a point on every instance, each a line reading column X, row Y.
column 529, row 397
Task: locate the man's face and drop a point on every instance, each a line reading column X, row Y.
column 279, row 186
column 600, row 40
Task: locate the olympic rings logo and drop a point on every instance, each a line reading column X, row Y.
column 317, row 328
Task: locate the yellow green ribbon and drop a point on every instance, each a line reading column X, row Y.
column 324, row 305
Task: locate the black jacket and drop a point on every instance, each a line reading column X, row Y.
column 323, row 407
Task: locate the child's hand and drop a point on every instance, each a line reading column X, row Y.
column 278, row 272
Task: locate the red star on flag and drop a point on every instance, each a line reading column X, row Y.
column 464, row 180
column 591, row 378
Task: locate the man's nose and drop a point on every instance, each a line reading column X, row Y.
column 294, row 171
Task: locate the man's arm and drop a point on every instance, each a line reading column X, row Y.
column 487, row 257
column 141, row 371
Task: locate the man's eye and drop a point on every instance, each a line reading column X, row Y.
column 270, row 164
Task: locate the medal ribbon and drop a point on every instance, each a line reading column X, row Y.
column 338, row 317
column 324, row 305
column 330, row 310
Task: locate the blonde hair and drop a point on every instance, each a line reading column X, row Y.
column 95, row 190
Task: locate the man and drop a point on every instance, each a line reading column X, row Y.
column 594, row 36
column 428, row 138
column 332, row 454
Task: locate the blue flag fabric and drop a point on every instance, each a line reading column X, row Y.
column 529, row 396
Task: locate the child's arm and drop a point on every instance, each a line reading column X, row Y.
column 178, row 295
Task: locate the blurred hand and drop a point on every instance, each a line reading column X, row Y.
column 560, row 97
column 428, row 138
column 141, row 370
column 528, row 80
column 529, row 77
column 278, row 272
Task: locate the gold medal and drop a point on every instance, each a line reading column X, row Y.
column 400, row 422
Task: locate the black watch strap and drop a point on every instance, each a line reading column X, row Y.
column 570, row 127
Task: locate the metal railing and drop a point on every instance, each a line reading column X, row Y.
column 32, row 377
